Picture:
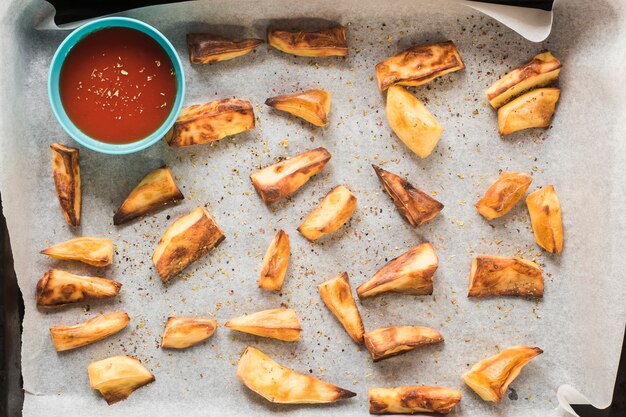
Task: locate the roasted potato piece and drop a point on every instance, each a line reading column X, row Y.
column 66, row 175
column 539, row 72
column 338, row 298
column 490, row 377
column 325, row 42
column 277, row 181
column 310, row 105
column 188, row 239
column 205, row 48
column 282, row 385
column 330, row 214
column 417, row 206
column 410, row 273
column 209, row 122
column 411, row 121
column 279, row 323
column 503, row 194
column 275, row 263
column 413, row 400
column 94, row 251
column 419, row 65
column 183, row 332
column 532, row 109
column 495, row 275
column 155, row 191
column 88, row 332
column 545, row 217
column 117, row 377
column 386, row 342
column 57, row 288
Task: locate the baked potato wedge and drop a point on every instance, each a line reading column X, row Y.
column 96, row 251
column 278, row 384
column 277, row 181
column 417, row 206
column 386, row 342
column 330, row 214
column 155, row 191
column 83, row 334
column 419, row 65
column 325, row 42
column 278, row 323
column 503, row 194
column 545, row 217
column 66, row 175
column 490, row 377
column 410, row 273
column 311, row 105
column 117, row 377
column 530, row 110
column 336, row 295
column 495, row 275
column 205, row 48
column 275, row 263
column 413, row 400
column 209, row 122
column 188, row 239
column 57, row 288
column 543, row 69
column 183, row 332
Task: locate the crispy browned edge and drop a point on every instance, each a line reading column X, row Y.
column 313, row 39
column 377, row 355
column 198, row 51
column 70, row 158
column 497, row 262
column 42, row 290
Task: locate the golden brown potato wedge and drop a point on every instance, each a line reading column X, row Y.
column 57, row 288
column 545, row 217
column 310, row 105
column 188, row 239
column 96, row 251
column 277, row 181
column 279, row 323
column 495, row 275
column 530, row 110
column 155, row 191
column 88, row 332
column 66, row 175
column 282, row 385
column 386, row 342
column 410, row 273
column 275, row 263
column 338, row 298
column 503, row 194
column 490, row 377
column 417, row 206
column 325, row 42
column 209, row 122
column 183, row 332
column 117, row 377
column 413, row 400
column 539, row 72
column 419, row 65
column 330, row 214
column 205, row 48
column 411, row 121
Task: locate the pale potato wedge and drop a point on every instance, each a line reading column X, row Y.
column 386, row 342
column 275, row 263
column 88, row 332
column 530, row 110
column 330, row 214
column 188, row 239
column 66, row 175
column 279, row 323
column 96, row 251
column 503, row 194
column 413, row 400
column 337, row 296
column 183, row 332
column 205, row 48
column 545, row 217
column 57, row 288
column 325, row 42
column 410, row 273
column 311, row 105
column 278, row 384
column 117, row 377
column 490, row 377
column 495, row 275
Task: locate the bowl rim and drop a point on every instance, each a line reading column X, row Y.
column 55, row 99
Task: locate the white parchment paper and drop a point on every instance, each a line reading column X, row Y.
column 579, row 324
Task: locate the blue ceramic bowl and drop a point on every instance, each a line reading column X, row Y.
column 55, row 97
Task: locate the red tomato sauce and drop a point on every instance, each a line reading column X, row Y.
column 117, row 85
